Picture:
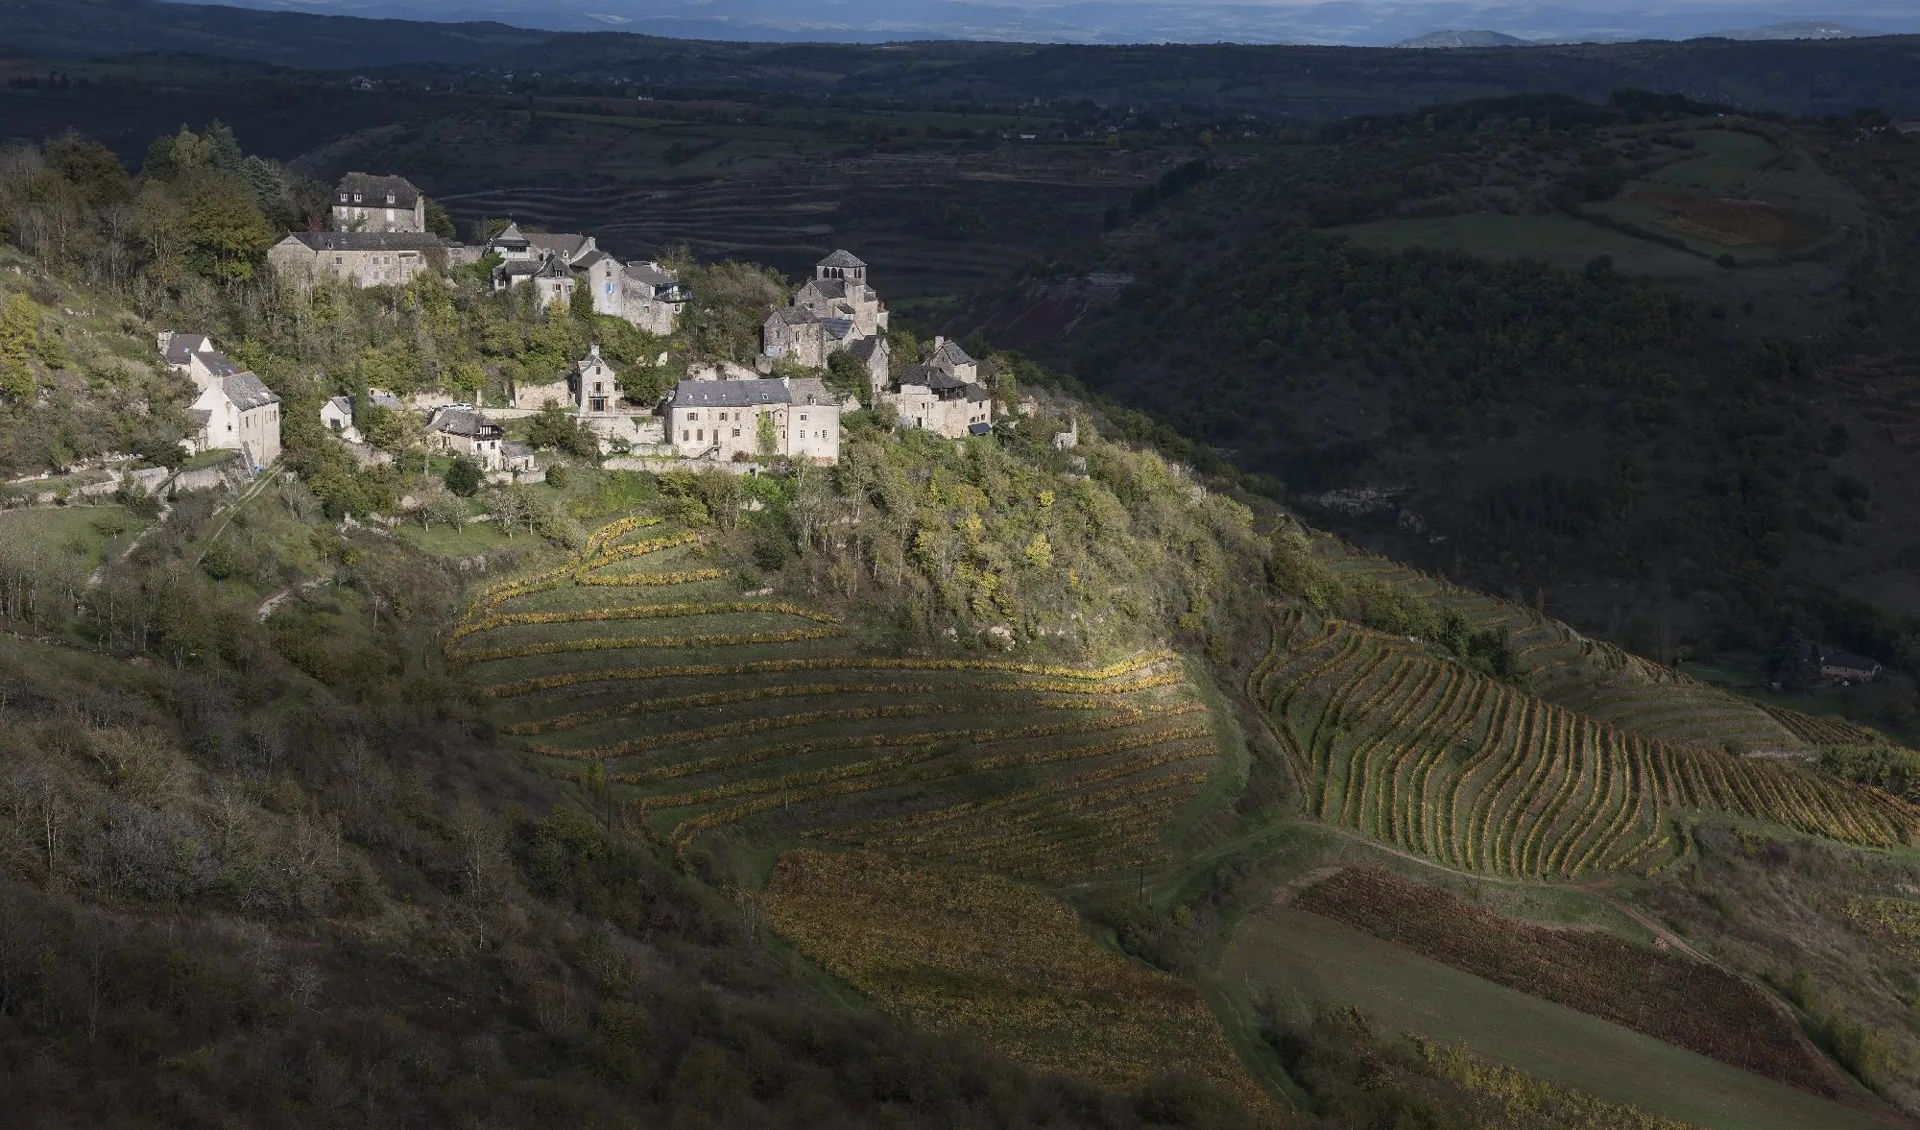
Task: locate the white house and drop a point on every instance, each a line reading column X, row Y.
column 336, row 414
column 732, row 420
column 362, row 259
column 234, row 410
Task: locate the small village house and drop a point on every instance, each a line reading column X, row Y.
column 943, row 394
column 336, row 414
column 1847, row 667
column 464, row 431
column 362, row 259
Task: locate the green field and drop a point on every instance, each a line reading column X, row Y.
column 1556, row 238
column 1723, row 161
column 475, row 537
column 1300, row 959
column 82, row 535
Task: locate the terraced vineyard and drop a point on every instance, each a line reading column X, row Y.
column 1437, row 760
column 720, row 715
column 1593, row 677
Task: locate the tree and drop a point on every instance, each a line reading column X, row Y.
column 227, row 233
column 438, row 222
column 764, row 433
column 1795, row 662
column 580, row 302
column 554, row 427
column 19, row 342
column 847, row 375
column 463, row 478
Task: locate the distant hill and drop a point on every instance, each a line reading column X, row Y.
column 1804, row 29
column 1465, row 39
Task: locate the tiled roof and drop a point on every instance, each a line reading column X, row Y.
column 842, row 259
column 369, row 240
column 374, row 191
column 509, row 236
column 248, row 391
column 514, row 449
column 522, row 267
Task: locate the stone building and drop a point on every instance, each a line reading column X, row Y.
column 642, row 293
column 651, row 298
column 365, row 203
column 834, row 311
column 336, row 415
column 234, row 409
column 723, row 420
column 942, row 394
column 362, row 259
column 464, row 431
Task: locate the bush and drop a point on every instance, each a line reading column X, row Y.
column 558, row 476
column 553, row 427
column 463, row 478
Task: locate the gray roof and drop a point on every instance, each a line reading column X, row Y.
column 592, row 258
column 522, row 267
column 369, row 240
column 842, row 259
column 374, row 191
column 509, row 235
column 649, row 275
column 827, row 288
column 385, row 400
column 217, row 362
column 514, row 449
column 182, row 346
column 794, row 315
column 567, row 244
column 462, row 422
column 837, row 328
column 201, row 417
column 866, row 347
column 980, row 429
column 728, row 394
column 809, row 390
column 1848, row 660
column 343, row 403
column 951, row 353
column 939, row 380
column 248, row 391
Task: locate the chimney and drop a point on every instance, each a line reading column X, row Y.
column 938, row 341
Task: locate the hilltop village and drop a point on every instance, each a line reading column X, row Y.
column 720, row 413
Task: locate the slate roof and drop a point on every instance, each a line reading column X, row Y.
column 248, row 391
column 647, row 274
column 794, row 315
column 217, row 363
column 369, row 240
column 462, row 422
column 842, row 259
column 384, row 400
column 343, row 403
column 728, row 394
column 951, row 354
column 509, row 236
column 514, row 449
column 566, row 244
column 939, row 380
column 182, row 346
column 374, row 191
column 864, row 348
column 201, row 417
column 1848, row 661
column 809, row 390
column 980, row 429
column 592, row 258
column 827, row 288
column 527, row 267
column 837, row 328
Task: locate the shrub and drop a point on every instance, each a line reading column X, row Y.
column 463, row 478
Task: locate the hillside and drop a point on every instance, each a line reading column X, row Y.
column 983, row 781
column 1644, row 364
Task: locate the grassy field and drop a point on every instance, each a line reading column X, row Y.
column 1722, row 162
column 1294, row 959
column 473, row 538
column 83, row 536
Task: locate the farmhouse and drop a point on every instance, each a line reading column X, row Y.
column 739, row 421
column 364, row 203
column 1848, row 667
column 942, row 394
column 362, row 259
column 463, row 431
column 234, row 410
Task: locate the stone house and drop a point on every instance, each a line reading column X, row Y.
column 365, row 203
column 464, row 431
column 234, row 409
column 722, row 420
column 942, row 394
column 595, row 387
column 795, row 334
column 1848, row 667
column 651, row 298
column 336, row 415
column 362, row 259
column 643, row 293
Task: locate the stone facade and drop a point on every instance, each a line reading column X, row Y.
column 641, row 292
column 234, row 409
column 942, row 394
column 361, row 259
column 364, row 203
column 835, row 311
column 464, row 431
column 723, row 420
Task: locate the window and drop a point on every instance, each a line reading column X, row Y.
column 356, row 198
column 684, row 437
column 389, row 198
column 736, row 433
column 693, row 415
column 699, row 435
column 803, row 417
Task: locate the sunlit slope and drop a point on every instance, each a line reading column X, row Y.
column 1603, row 681
column 1429, row 756
column 641, row 668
